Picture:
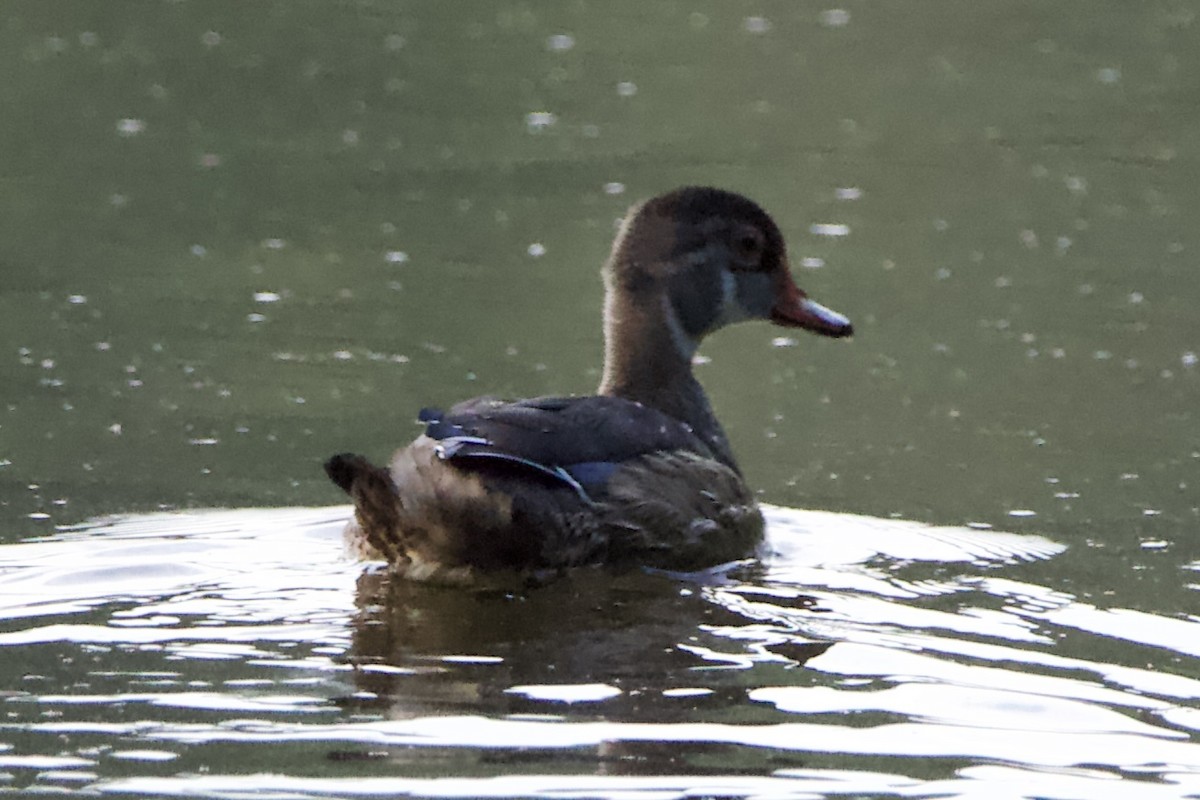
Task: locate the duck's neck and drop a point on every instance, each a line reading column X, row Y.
column 648, row 359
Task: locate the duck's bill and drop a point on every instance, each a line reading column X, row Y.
column 794, row 309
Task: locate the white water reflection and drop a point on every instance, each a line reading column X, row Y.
column 134, row 647
column 973, row 782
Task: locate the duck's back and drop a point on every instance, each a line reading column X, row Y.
column 551, row 482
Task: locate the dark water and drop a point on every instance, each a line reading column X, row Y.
column 238, row 237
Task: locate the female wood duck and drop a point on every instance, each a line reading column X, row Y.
column 641, row 473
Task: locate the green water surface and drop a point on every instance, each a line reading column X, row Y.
column 238, row 237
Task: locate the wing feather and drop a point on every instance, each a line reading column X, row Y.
column 578, row 441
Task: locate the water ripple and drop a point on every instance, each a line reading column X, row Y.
column 865, row 656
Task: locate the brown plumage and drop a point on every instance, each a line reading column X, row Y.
column 641, row 473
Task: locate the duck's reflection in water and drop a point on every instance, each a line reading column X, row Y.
column 422, row 650
column 633, row 628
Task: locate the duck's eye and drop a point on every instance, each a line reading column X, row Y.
column 748, row 247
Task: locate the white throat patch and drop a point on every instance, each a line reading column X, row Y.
column 684, row 344
column 732, row 309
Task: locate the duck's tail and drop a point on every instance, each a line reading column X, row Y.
column 376, row 502
column 344, row 467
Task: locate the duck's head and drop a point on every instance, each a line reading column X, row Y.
column 706, row 258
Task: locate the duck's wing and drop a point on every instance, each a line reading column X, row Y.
column 578, row 441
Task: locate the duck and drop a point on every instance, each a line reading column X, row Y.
column 640, row 473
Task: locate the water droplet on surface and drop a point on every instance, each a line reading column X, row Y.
column 537, row 250
column 829, row 229
column 538, row 121
column 756, row 24
column 395, row 256
column 834, row 18
column 626, row 89
column 560, row 42
column 130, row 126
